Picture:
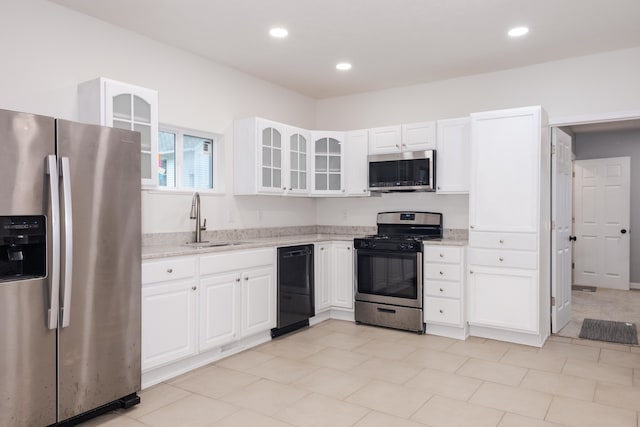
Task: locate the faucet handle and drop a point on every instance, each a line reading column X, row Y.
column 204, row 225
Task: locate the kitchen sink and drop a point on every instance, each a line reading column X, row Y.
column 212, row 244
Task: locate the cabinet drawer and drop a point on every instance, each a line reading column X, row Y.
column 442, row 289
column 236, row 260
column 442, row 272
column 518, row 241
column 503, row 258
column 442, row 310
column 442, row 254
column 168, row 269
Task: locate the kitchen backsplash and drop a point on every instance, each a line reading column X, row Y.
column 256, row 233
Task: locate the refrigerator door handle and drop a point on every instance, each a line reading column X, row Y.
column 54, row 279
column 68, row 241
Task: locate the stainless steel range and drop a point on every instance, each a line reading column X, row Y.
column 389, row 270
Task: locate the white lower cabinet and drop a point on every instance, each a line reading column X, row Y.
column 503, row 298
column 333, row 276
column 169, row 311
column 444, row 291
column 194, row 304
column 219, row 310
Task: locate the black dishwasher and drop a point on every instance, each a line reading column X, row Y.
column 295, row 288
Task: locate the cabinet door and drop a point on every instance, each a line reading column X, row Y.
column 219, row 303
column 271, row 149
column 297, row 161
column 258, row 301
column 356, row 157
column 503, row 298
column 385, row 140
column 135, row 108
column 342, row 283
column 453, row 156
column 168, row 323
column 419, row 136
column 505, row 166
column 322, row 282
column 328, row 166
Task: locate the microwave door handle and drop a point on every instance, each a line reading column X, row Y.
column 68, row 242
column 54, row 278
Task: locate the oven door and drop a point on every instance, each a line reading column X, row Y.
column 389, row 277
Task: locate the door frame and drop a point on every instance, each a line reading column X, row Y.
column 576, row 120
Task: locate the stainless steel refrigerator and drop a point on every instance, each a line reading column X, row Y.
column 69, row 269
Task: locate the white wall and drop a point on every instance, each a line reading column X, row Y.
column 48, row 50
column 625, row 143
column 602, row 83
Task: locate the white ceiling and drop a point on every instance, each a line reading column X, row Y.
column 390, row 43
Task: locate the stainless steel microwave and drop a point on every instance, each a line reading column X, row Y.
column 409, row 171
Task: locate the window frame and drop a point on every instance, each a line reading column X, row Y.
column 180, row 132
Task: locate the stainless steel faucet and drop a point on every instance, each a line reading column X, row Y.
column 195, row 214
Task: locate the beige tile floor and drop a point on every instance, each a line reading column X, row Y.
column 604, row 304
column 341, row 374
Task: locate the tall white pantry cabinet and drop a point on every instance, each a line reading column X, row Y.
column 509, row 226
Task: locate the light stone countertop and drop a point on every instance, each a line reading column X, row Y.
column 163, row 251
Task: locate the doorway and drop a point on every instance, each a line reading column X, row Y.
column 591, row 295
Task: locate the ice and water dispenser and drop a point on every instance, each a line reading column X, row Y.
column 23, row 247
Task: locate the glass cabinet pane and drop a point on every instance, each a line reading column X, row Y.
column 145, row 136
column 303, row 181
column 334, row 163
column 266, row 137
column 121, row 125
column 321, row 164
column 145, row 166
column 302, row 144
column 266, row 156
column 276, row 138
column 293, row 176
column 122, row 106
column 334, row 182
column 277, row 157
column 303, row 162
column 277, row 178
column 321, row 181
column 321, row 146
column 266, row 177
column 334, row 146
column 141, row 110
column 293, row 141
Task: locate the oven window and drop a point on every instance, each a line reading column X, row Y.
column 388, row 274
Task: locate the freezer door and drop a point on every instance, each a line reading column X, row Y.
column 27, row 346
column 99, row 333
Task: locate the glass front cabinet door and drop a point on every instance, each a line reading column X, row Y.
column 125, row 106
column 298, row 165
column 328, row 162
column 271, row 150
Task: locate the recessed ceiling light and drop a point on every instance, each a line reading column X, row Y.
column 518, row 31
column 279, row 33
column 343, row 66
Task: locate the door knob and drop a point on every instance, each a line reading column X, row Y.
column 623, row 231
column 572, row 238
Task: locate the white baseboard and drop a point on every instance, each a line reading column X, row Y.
column 633, row 285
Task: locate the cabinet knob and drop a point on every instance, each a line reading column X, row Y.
column 290, row 188
column 441, row 311
column 470, row 271
column 438, row 187
column 501, row 241
column 194, row 287
column 441, row 290
column 246, row 278
column 404, row 145
column 441, row 273
column 348, row 248
column 343, row 190
column 441, row 255
column 284, row 188
column 364, row 190
column 238, row 279
column 169, row 270
column 471, row 227
column 322, row 249
column 397, row 146
column 500, row 259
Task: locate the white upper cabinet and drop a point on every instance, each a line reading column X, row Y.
column 408, row 137
column 298, row 158
column 505, row 170
column 120, row 105
column 328, row 163
column 419, row 136
column 385, row 140
column 357, row 174
column 259, row 156
column 453, row 157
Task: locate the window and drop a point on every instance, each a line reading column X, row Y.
column 186, row 159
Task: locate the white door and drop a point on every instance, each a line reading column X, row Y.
column 602, row 214
column 453, row 158
column 219, row 302
column 322, row 259
column 385, row 140
column 271, row 154
column 357, row 181
column 258, row 301
column 561, row 215
column 419, row 136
